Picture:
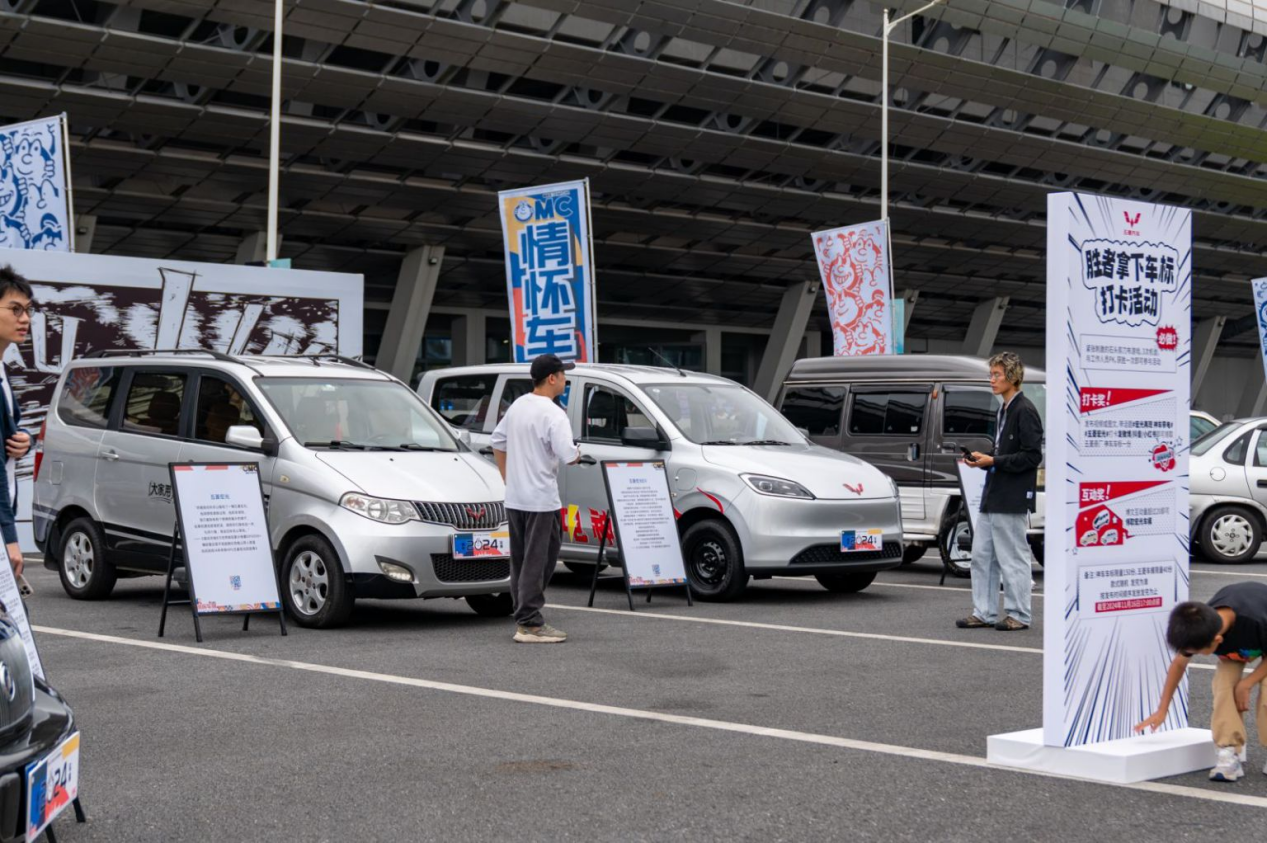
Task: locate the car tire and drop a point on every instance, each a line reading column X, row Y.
column 714, row 561
column 913, row 553
column 957, row 562
column 584, row 569
column 1036, row 548
column 845, row 583
column 314, row 588
column 82, row 566
column 1230, row 535
column 491, row 605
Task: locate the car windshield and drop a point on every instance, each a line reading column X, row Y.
column 1037, row 393
column 356, row 414
column 1199, row 426
column 721, row 414
column 1214, row 437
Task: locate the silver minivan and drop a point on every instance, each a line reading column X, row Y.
column 369, row 492
column 754, row 498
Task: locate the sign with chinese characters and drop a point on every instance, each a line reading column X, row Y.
column 550, row 271
column 1119, row 326
column 35, row 202
column 225, row 535
column 972, row 485
column 645, row 524
column 1260, row 307
column 854, row 265
column 12, row 605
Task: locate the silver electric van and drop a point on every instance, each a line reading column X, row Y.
column 754, row 498
column 369, row 492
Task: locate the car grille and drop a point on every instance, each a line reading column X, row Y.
column 464, row 516
column 825, row 554
column 452, row 570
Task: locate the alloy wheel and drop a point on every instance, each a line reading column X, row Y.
column 78, row 560
column 309, row 583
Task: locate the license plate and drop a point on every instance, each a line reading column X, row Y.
column 857, row 541
column 481, row 545
column 52, row 784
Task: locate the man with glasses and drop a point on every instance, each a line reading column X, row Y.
column 1000, row 550
column 16, row 307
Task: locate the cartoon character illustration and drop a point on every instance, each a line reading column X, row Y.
column 857, row 288
column 32, row 207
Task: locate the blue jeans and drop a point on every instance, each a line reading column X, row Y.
column 1000, row 551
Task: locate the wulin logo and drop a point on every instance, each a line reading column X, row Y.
column 1132, row 220
column 6, row 681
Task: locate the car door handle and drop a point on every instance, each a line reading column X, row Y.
column 950, row 447
column 1262, row 484
column 587, row 461
column 109, row 455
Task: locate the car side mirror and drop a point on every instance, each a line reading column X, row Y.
column 246, row 436
column 644, row 437
column 464, row 436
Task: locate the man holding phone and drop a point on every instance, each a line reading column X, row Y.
column 1000, row 550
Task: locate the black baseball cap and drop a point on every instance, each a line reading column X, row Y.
column 547, row 365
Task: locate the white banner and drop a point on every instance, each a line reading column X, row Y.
column 35, row 203
column 855, row 268
column 225, row 535
column 646, row 527
column 1260, row 307
column 1119, row 326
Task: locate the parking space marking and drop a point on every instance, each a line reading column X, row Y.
column 1225, row 573
column 642, row 714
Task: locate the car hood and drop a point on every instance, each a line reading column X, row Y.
column 419, row 476
column 827, row 474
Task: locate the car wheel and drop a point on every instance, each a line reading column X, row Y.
column 1036, row 547
column 1230, row 535
column 912, row 553
column 584, row 569
column 714, row 561
column 84, row 571
column 957, row 560
column 313, row 586
column 845, row 583
column 491, row 605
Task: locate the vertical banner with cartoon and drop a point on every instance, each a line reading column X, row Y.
column 550, row 271
column 1119, row 328
column 855, row 267
column 1260, row 307
column 35, row 202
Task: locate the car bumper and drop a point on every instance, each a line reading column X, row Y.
column 52, row 722
column 787, row 536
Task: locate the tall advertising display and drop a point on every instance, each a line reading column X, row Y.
column 1260, row 308
column 855, row 267
column 1119, row 319
column 35, row 204
column 550, row 270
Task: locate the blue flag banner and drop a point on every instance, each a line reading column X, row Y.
column 1260, row 307
column 35, row 206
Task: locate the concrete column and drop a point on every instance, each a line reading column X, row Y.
column 813, row 343
column 1253, row 401
column 712, row 351
column 85, row 230
column 253, row 249
column 1204, row 340
column 411, row 304
column 984, row 327
column 470, row 340
column 785, row 339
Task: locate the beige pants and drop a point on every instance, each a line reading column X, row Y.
column 1228, row 724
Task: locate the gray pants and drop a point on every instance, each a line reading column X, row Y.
column 535, row 538
column 1000, row 551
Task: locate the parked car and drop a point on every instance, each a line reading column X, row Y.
column 1227, row 472
column 1199, row 424
column 754, row 497
column 370, row 494
column 909, row 415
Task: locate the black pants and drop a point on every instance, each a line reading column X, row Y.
column 535, row 538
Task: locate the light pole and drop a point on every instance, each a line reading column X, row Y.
column 884, row 105
column 275, row 132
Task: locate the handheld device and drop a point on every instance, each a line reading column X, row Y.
column 967, row 455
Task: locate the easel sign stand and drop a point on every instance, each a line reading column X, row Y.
column 222, row 530
column 641, row 523
column 971, row 491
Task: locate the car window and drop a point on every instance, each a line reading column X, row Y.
column 1198, row 427
column 892, row 413
column 464, row 400
column 607, row 413
column 1213, row 437
column 969, row 412
column 1260, row 451
column 221, row 406
column 1237, row 451
column 514, row 389
column 153, row 403
column 817, row 409
column 85, row 400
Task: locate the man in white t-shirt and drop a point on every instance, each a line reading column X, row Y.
column 532, row 440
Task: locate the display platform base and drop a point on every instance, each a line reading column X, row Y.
column 1124, row 761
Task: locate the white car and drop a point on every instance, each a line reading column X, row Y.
column 1227, row 470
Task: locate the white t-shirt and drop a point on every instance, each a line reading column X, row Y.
column 537, row 438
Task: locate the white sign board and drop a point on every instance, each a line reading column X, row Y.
column 972, row 484
column 1119, row 326
column 645, row 526
column 11, row 597
column 225, row 534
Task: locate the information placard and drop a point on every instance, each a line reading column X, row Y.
column 972, row 484
column 644, row 523
column 225, row 533
column 1119, row 329
column 11, row 597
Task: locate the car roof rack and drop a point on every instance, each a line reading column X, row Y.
column 317, row 358
column 131, row 352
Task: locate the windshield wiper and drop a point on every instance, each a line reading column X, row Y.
column 766, row 442
column 413, row 446
column 720, row 442
column 336, row 444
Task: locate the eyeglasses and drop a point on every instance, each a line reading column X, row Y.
column 997, row 376
column 19, row 311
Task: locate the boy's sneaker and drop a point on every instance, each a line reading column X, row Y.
column 544, row 634
column 1228, row 768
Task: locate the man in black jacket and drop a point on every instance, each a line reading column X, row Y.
column 999, row 547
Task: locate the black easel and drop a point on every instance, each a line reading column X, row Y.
column 167, row 591
column 598, row 566
column 80, row 817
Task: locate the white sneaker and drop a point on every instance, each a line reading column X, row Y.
column 1228, row 768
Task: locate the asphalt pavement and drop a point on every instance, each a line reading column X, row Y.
column 793, row 714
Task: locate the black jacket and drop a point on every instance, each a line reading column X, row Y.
column 1011, row 484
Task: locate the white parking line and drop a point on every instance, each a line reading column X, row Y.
column 641, row 714
column 1225, row 573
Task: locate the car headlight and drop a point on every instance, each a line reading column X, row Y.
column 777, row 487
column 382, row 510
